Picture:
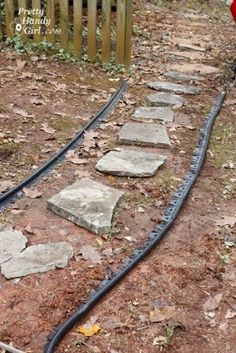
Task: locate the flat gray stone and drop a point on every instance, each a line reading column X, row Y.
column 192, row 45
column 165, row 99
column 88, row 204
column 37, row 259
column 191, row 55
column 174, row 87
column 144, row 134
column 12, row 242
column 192, row 68
column 175, row 75
column 153, row 114
column 130, row 163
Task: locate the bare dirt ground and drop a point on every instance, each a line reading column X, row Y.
column 182, row 298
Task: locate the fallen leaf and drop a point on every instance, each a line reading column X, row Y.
column 23, row 113
column 160, row 341
column 28, row 229
column 212, row 303
column 47, row 129
column 161, row 314
column 5, row 185
column 89, row 329
column 32, row 193
column 90, row 253
column 230, row 314
column 226, row 220
column 71, row 157
column 228, row 165
column 111, row 324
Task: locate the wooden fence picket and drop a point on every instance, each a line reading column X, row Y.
column 9, row 8
column 106, row 30
column 96, row 40
column 78, row 27
column 92, row 27
column 50, row 14
column 64, row 24
column 22, row 5
column 36, row 5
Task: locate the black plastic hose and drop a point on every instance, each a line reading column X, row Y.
column 156, row 235
column 16, row 191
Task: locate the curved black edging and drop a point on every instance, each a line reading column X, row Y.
column 156, row 235
column 16, row 191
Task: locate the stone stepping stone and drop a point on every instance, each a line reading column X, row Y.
column 130, row 163
column 88, row 204
column 37, row 259
column 187, row 55
column 144, row 134
column 165, row 99
column 146, row 114
column 192, row 68
column 192, row 45
column 12, row 242
column 175, row 75
column 174, row 87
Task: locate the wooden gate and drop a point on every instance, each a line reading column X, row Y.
column 95, row 30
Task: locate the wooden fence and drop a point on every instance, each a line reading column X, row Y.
column 77, row 30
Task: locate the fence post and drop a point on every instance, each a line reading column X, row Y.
column 37, row 27
column 128, row 32
column 120, row 30
column 64, row 23
column 77, row 30
column 50, row 14
column 92, row 20
column 106, row 30
column 123, row 31
column 9, row 18
column 22, row 5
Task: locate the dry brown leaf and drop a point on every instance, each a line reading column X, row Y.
column 32, row 193
column 90, row 253
column 5, row 185
column 28, row 229
column 23, row 113
column 226, row 220
column 161, row 314
column 212, row 303
column 46, row 128
column 230, row 314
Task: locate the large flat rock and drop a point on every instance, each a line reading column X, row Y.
column 144, row 134
column 146, row 114
column 178, row 76
column 88, row 204
column 130, row 163
column 165, row 99
column 37, row 259
column 12, row 242
column 195, row 68
column 191, row 55
column 190, row 44
column 174, row 87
